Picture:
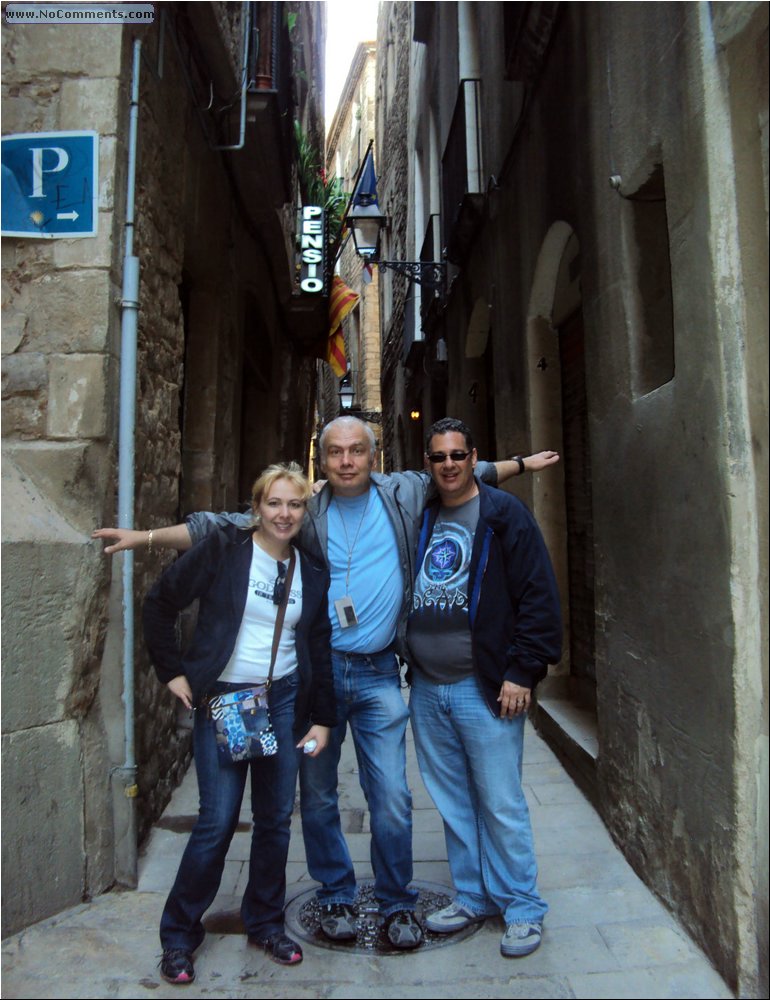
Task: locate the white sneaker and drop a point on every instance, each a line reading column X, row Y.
column 521, row 939
column 452, row 918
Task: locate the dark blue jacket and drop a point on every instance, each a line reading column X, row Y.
column 217, row 572
column 514, row 612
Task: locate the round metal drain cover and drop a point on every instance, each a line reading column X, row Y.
column 303, row 913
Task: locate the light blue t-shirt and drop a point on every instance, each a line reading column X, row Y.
column 360, row 526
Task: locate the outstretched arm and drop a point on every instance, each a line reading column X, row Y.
column 525, row 463
column 175, row 537
column 178, row 536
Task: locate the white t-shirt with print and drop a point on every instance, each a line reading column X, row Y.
column 250, row 661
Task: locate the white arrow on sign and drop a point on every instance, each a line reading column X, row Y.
column 67, row 215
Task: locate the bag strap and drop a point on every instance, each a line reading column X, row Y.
column 281, row 615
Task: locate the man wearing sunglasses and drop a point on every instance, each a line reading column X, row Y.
column 365, row 526
column 484, row 626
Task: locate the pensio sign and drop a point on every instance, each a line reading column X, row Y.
column 312, row 240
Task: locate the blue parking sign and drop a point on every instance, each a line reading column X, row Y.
column 50, row 184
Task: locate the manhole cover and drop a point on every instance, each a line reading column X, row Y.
column 303, row 913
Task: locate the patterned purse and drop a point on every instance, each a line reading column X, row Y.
column 242, row 723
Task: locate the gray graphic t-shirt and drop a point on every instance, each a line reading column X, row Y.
column 439, row 629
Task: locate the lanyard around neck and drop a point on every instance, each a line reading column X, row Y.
column 348, row 545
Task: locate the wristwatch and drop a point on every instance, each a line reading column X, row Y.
column 520, row 460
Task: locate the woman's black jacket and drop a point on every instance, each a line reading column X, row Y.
column 216, row 571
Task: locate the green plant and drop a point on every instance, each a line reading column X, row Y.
column 316, row 188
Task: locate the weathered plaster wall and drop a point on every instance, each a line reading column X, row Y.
column 673, row 576
column 679, row 487
column 672, row 467
column 742, row 31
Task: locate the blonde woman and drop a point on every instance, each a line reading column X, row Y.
column 240, row 577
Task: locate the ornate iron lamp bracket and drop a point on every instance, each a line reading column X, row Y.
column 431, row 274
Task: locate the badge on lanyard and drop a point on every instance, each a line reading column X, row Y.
column 346, row 613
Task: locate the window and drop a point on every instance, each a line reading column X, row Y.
column 653, row 324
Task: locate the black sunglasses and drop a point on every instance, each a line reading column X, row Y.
column 437, row 457
column 279, row 587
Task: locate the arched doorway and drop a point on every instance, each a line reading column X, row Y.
column 558, row 413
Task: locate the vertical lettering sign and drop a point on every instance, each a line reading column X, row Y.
column 312, row 237
column 50, row 184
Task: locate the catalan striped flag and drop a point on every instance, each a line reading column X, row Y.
column 341, row 301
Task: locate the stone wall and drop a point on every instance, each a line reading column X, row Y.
column 60, row 322
column 393, row 34
column 167, row 129
column 221, row 392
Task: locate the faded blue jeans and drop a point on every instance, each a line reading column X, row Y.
column 220, row 790
column 369, row 699
column 471, row 762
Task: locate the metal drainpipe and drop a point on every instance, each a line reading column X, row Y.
column 126, row 438
column 126, row 466
column 244, row 78
column 469, row 59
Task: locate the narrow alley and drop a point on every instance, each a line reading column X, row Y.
column 546, row 221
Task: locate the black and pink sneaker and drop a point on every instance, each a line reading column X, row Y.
column 280, row 948
column 176, row 966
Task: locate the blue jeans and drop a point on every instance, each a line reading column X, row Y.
column 220, row 789
column 368, row 692
column 470, row 762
